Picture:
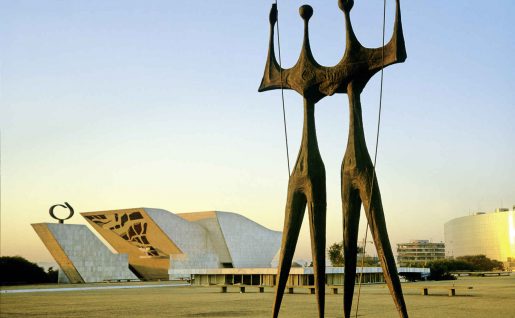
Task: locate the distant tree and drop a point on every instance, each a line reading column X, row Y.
column 441, row 269
column 18, row 270
column 335, row 254
column 481, row 262
column 368, row 261
column 52, row 275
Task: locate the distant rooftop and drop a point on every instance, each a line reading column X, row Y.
column 497, row 210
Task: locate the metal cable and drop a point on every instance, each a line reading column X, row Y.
column 282, row 91
column 375, row 159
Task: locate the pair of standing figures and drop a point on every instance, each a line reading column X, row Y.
column 307, row 183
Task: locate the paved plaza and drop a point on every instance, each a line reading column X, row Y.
column 491, row 297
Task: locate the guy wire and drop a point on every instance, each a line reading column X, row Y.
column 282, row 91
column 375, row 160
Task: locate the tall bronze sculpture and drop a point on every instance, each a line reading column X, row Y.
column 359, row 184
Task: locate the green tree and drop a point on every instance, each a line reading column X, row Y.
column 441, row 269
column 335, row 254
column 52, row 275
column 481, row 262
column 18, row 270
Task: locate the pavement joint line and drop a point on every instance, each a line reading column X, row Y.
column 66, row 289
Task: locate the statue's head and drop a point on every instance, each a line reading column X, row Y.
column 345, row 5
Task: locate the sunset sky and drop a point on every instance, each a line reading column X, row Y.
column 120, row 104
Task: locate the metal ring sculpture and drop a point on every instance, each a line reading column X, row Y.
column 66, row 206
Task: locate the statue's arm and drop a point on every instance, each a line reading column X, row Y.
column 394, row 51
column 273, row 71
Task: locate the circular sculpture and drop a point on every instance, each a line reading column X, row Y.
column 66, row 206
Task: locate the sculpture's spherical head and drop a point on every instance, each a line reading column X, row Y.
column 346, row 5
column 306, row 11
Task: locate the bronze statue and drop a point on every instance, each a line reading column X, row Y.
column 359, row 184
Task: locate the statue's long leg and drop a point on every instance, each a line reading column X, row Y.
column 295, row 207
column 317, row 225
column 307, row 183
column 377, row 224
column 351, row 203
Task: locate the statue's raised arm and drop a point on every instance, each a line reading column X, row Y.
column 314, row 81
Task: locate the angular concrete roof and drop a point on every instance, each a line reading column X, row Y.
column 247, row 243
column 157, row 240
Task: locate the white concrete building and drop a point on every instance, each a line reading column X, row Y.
column 491, row 234
column 81, row 256
column 419, row 252
column 298, row 277
column 150, row 242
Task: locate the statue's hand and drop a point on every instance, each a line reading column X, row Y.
column 273, row 14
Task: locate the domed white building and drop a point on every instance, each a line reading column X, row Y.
column 491, row 234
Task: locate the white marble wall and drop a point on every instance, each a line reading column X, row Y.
column 188, row 236
column 223, row 238
column 92, row 259
column 215, row 235
column 251, row 245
